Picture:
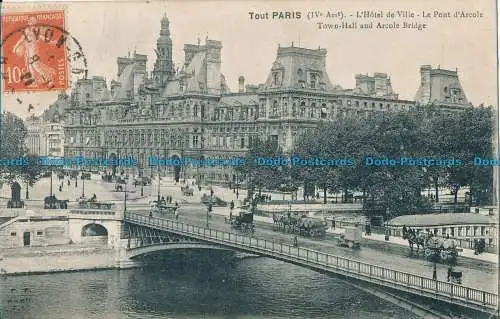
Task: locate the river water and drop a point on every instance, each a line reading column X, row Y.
column 191, row 285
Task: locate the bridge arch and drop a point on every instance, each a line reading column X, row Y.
column 94, row 234
column 138, row 252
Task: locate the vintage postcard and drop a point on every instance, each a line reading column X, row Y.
column 249, row 159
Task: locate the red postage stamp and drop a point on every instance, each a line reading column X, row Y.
column 34, row 55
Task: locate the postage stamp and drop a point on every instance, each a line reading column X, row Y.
column 37, row 52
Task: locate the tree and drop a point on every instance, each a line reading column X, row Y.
column 263, row 175
column 29, row 173
column 13, row 134
column 12, row 141
column 473, row 138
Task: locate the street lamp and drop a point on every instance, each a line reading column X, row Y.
column 51, row 173
column 83, row 185
column 209, row 209
column 125, row 199
column 142, row 181
column 158, row 183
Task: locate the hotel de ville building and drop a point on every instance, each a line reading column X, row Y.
column 190, row 112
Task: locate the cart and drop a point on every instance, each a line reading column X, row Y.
column 51, row 202
column 243, row 221
column 161, row 207
column 351, row 238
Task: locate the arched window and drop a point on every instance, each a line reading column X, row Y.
column 275, row 109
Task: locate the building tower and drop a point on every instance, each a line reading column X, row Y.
column 164, row 68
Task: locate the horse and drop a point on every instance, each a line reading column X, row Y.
column 417, row 239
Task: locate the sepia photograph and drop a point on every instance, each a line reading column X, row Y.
column 249, row 159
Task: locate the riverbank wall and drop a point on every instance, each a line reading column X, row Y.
column 61, row 259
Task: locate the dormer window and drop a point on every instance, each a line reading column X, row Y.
column 314, row 80
column 277, row 78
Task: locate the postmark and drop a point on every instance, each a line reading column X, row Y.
column 38, row 54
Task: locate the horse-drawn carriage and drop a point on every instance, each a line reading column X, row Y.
column 51, row 202
column 187, row 191
column 213, row 200
column 92, row 203
column 162, row 207
column 243, row 221
column 479, row 246
column 456, row 277
column 444, row 249
column 300, row 225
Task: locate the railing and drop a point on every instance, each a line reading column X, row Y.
column 325, row 261
column 84, row 211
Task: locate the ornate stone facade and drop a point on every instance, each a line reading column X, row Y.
column 191, row 112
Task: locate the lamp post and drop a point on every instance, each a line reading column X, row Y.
column 83, row 185
column 125, row 198
column 158, row 183
column 51, row 173
column 209, row 209
column 142, row 182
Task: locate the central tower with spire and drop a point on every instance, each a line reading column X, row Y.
column 164, row 67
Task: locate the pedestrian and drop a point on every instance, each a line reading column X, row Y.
column 434, row 272
column 295, row 242
column 368, row 229
column 333, row 223
column 449, row 272
column 150, row 214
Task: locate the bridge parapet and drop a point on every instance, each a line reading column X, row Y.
column 83, row 213
column 471, row 298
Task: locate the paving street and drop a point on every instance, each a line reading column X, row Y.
column 477, row 273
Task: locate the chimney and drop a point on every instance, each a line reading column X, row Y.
column 241, row 84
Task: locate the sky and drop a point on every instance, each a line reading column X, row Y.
column 107, row 30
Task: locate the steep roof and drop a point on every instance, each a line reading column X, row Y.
column 126, row 80
column 192, row 78
column 295, row 63
column 441, row 219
